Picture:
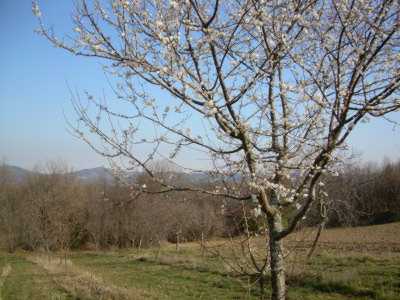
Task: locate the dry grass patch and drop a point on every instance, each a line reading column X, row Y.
column 4, row 273
column 83, row 284
column 376, row 239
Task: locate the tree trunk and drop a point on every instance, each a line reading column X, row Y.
column 202, row 244
column 177, row 241
column 278, row 281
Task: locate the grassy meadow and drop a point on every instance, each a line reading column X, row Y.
column 350, row 263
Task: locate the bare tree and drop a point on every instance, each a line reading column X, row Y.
column 269, row 90
column 364, row 194
column 53, row 207
column 10, row 220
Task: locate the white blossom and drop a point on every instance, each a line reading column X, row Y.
column 36, row 9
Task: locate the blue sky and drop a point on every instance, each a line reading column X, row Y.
column 34, row 95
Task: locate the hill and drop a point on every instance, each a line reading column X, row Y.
column 103, row 174
column 16, row 173
column 19, row 175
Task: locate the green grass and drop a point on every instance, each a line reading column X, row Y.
column 166, row 281
column 326, row 276
column 186, row 274
column 27, row 281
column 353, row 276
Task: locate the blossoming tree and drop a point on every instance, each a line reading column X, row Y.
column 269, row 90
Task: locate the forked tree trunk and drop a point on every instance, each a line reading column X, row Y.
column 278, row 280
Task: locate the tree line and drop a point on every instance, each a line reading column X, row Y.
column 54, row 210
column 364, row 195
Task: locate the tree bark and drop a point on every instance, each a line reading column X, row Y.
column 278, row 280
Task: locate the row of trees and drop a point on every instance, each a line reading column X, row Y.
column 54, row 210
column 365, row 195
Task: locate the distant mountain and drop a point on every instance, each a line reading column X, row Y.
column 86, row 175
column 91, row 175
column 95, row 174
column 205, row 177
column 16, row 173
column 103, row 174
